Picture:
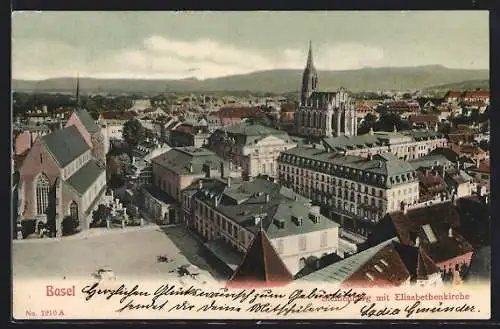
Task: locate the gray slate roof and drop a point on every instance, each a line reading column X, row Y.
column 85, row 177
column 378, row 138
column 430, row 160
column 65, row 145
column 385, row 164
column 243, row 200
column 340, row 271
column 87, row 121
column 248, row 133
column 179, row 160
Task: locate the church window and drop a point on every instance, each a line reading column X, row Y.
column 73, row 210
column 42, row 194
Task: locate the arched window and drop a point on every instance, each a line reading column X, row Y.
column 73, row 210
column 42, row 194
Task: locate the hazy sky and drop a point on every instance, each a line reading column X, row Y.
column 211, row 44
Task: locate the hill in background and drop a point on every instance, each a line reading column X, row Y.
column 274, row 81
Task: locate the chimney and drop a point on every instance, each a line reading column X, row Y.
column 190, row 167
column 200, row 184
column 267, row 198
column 450, row 232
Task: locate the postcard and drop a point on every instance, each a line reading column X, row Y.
column 251, row 165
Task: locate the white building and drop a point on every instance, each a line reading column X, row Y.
column 230, row 212
column 254, row 148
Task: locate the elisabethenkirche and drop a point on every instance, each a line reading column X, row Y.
column 323, row 114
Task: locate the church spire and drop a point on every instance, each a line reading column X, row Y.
column 78, row 92
column 310, row 64
column 309, row 77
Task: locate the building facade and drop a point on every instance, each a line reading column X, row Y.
column 254, row 148
column 323, row 114
column 63, row 175
column 350, row 189
column 233, row 211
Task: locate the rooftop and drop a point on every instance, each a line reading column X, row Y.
column 261, row 265
column 65, row 145
column 189, row 160
column 83, row 179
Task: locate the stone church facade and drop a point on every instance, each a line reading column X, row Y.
column 62, row 176
column 323, row 114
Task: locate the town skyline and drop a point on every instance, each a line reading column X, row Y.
column 169, row 45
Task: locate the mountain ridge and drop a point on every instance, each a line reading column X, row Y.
column 275, row 81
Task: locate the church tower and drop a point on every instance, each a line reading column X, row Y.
column 309, row 78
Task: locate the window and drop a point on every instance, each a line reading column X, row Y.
column 73, row 210
column 280, row 246
column 302, row 243
column 324, row 240
column 42, row 194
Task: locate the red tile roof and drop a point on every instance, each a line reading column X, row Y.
column 368, row 275
column 363, row 108
column 476, row 94
column 422, row 119
column 239, row 112
column 117, row 115
column 261, row 266
column 484, row 167
column 439, row 218
column 453, row 94
column 288, row 107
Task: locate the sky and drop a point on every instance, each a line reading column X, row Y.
column 175, row 45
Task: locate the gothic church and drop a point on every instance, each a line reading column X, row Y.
column 323, row 114
column 63, row 175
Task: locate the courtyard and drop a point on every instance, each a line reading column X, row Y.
column 133, row 252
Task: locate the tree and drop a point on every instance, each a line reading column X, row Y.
column 368, row 123
column 100, row 215
column 133, row 134
column 69, row 225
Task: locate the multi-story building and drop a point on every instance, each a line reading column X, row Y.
column 254, row 148
column 322, row 114
column 406, row 145
column 189, row 135
column 175, row 170
column 232, row 211
column 350, row 189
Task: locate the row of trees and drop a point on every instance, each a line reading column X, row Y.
column 386, row 122
column 24, row 102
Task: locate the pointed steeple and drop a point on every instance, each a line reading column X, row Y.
column 78, row 104
column 310, row 63
column 309, row 77
column 261, row 266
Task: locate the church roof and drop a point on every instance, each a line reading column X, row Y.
column 65, row 145
column 87, row 121
column 85, row 177
column 261, row 265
